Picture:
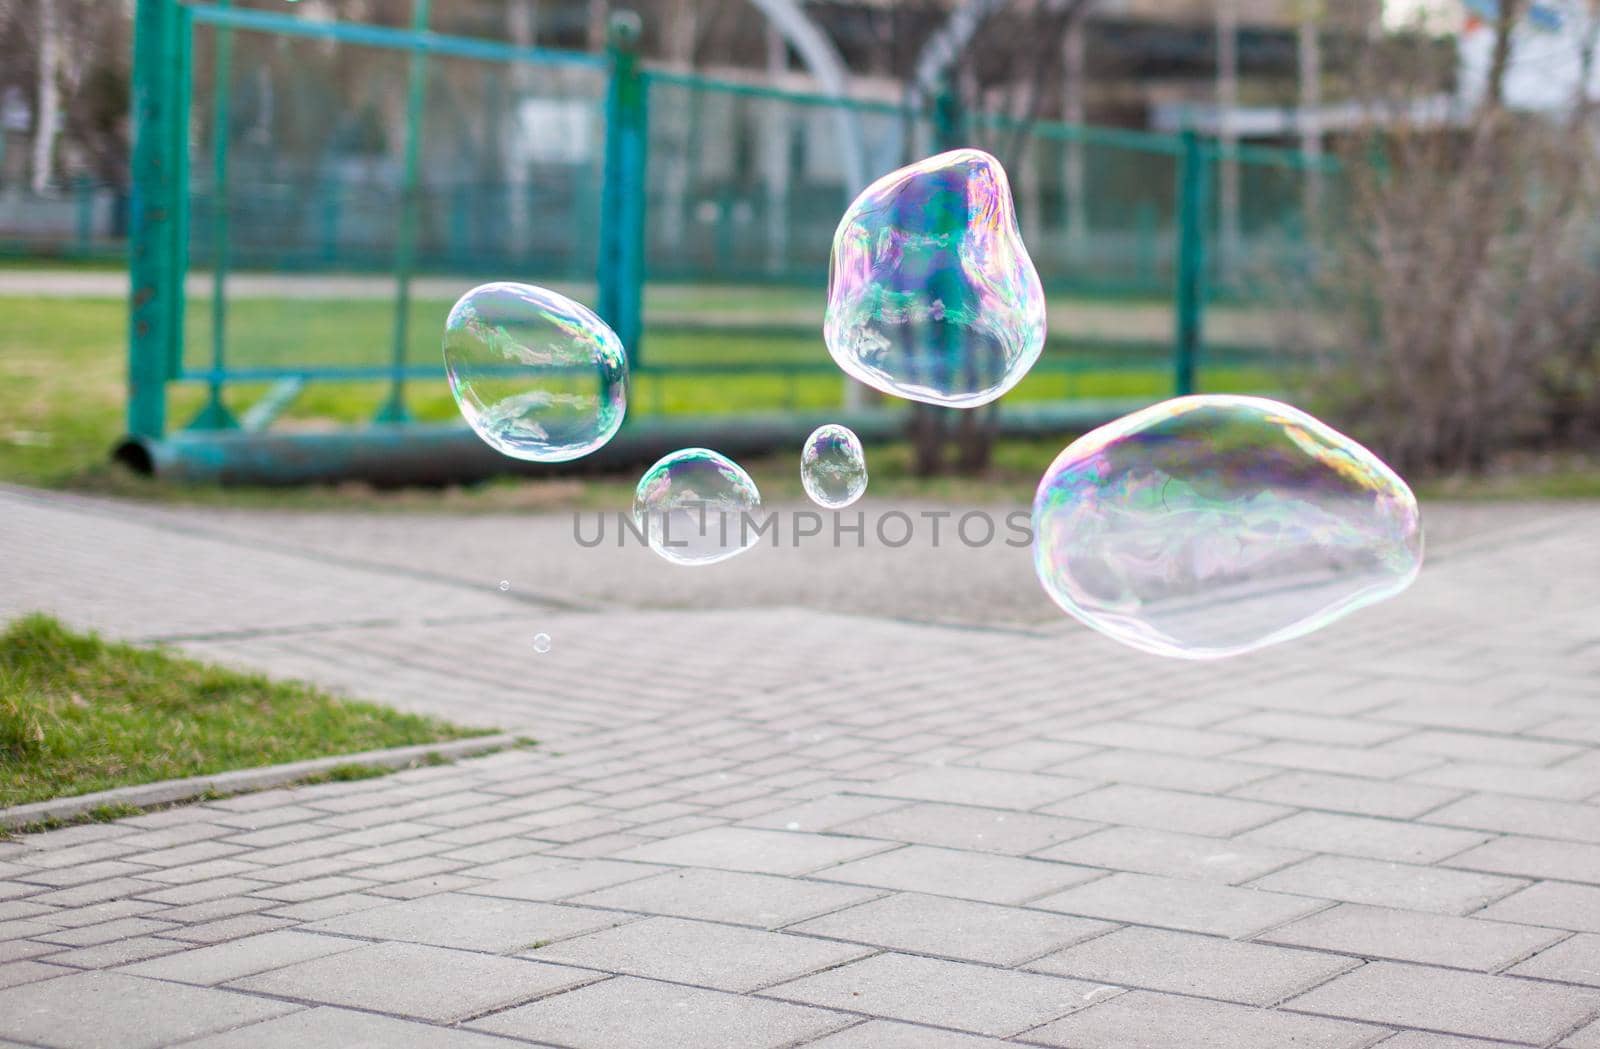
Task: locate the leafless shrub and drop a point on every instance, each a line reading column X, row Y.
column 1460, row 305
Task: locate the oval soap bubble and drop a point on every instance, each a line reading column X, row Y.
column 692, row 506
column 931, row 294
column 537, row 375
column 1210, row 526
column 833, row 466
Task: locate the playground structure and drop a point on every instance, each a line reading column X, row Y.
column 308, row 220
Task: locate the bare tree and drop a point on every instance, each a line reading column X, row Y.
column 1460, row 311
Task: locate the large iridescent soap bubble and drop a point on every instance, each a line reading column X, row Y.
column 696, row 507
column 931, row 294
column 537, row 376
column 1210, row 526
column 833, row 466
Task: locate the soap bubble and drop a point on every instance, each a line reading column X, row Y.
column 691, row 506
column 931, row 294
column 537, row 375
column 833, row 468
column 541, row 643
column 1209, row 526
column 505, row 584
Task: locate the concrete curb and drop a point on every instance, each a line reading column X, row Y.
column 172, row 791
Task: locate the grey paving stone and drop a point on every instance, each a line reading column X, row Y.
column 1169, row 810
column 1312, row 728
column 1575, row 908
column 1171, row 771
column 1547, row 819
column 325, row 1027
column 122, row 952
column 477, row 923
column 824, row 813
column 754, row 851
column 1144, row 1020
column 959, row 929
column 1217, row 910
column 568, row 879
column 723, row 957
column 409, row 979
column 1363, row 797
column 1452, row 1002
column 1573, row 780
column 222, row 962
column 1163, row 739
column 967, row 827
column 968, row 875
column 1576, row 960
column 1029, row 755
column 105, row 932
column 1584, row 1038
column 14, row 974
column 1428, row 1040
column 1202, row 966
column 966, row 997
column 760, row 900
column 885, row 1034
column 628, row 1013
column 1494, row 749
column 115, row 1011
column 1363, row 836
column 995, row 788
column 1343, row 761
column 1191, row 856
column 1397, row 885
column 1414, row 936
column 17, row 950
column 1534, row 858
column 228, row 928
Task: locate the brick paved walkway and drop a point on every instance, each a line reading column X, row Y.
column 755, row 824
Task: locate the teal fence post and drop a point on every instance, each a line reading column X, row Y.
column 214, row 414
column 1189, row 293
column 394, row 409
column 622, row 204
column 156, row 281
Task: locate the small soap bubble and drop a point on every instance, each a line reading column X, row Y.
column 791, row 826
column 931, row 293
column 694, row 507
column 1215, row 525
column 833, row 466
column 541, row 643
column 537, row 376
column 505, row 584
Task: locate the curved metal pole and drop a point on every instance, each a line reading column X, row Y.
column 946, row 45
column 824, row 62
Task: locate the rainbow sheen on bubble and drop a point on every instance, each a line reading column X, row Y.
column 537, row 375
column 1210, row 526
column 833, row 466
column 695, row 507
column 931, row 294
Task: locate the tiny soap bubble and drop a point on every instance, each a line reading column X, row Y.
column 833, row 467
column 505, row 584
column 541, row 643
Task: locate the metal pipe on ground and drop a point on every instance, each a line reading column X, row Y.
column 419, row 454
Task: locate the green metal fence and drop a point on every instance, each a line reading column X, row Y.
column 306, row 215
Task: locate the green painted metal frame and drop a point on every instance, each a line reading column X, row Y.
column 163, row 64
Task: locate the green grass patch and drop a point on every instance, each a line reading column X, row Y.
column 79, row 715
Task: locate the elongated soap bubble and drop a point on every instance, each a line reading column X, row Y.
column 833, row 466
column 1209, row 526
column 931, row 294
column 537, row 376
column 692, row 506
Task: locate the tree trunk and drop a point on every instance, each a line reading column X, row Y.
column 48, row 125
